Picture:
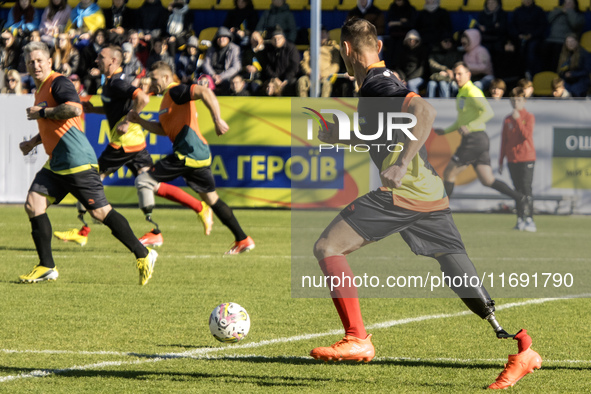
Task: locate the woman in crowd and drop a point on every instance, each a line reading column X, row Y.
column 12, row 83
column 54, row 20
column 574, row 67
column 65, row 57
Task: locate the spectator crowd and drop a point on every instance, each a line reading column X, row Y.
column 255, row 52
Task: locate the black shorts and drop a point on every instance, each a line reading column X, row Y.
column 473, row 150
column 112, row 159
column 171, row 167
column 374, row 216
column 86, row 186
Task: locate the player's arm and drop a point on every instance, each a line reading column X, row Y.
column 484, row 110
column 68, row 103
column 27, row 146
column 140, row 100
column 425, row 113
column 199, row 92
column 90, row 108
column 152, row 127
column 503, row 146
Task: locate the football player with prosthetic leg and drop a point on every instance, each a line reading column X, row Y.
column 127, row 146
column 192, row 158
column 411, row 202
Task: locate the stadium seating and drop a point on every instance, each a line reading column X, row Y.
column 547, row 5
column 510, row 5
column 261, row 4
column 474, row 5
column 329, row 5
column 418, row 4
column 203, row 4
column 346, row 5
column 584, row 5
column 40, row 4
column 298, row 5
column 223, row 4
column 451, row 5
column 207, row 34
column 586, row 41
column 382, row 4
column 335, row 35
column 542, row 83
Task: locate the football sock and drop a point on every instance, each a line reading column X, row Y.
column 523, row 340
column 42, row 237
column 177, row 194
column 84, row 231
column 476, row 298
column 502, row 187
column 449, row 187
column 120, row 229
column 345, row 297
column 226, row 216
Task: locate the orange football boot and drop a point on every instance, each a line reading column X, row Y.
column 246, row 245
column 349, row 348
column 519, row 364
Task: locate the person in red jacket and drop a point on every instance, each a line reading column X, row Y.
column 517, row 144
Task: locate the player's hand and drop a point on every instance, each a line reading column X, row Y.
column 463, row 130
column 392, row 176
column 123, row 127
column 221, row 127
column 33, row 113
column 330, row 136
column 26, row 147
column 87, row 107
column 133, row 117
column 439, row 131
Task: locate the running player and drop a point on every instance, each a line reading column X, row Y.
column 71, row 168
column 473, row 113
column 128, row 147
column 411, row 202
column 191, row 158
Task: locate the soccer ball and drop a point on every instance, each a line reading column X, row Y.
column 229, row 322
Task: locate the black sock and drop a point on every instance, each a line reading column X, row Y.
column 502, row 187
column 225, row 214
column 120, row 229
column 476, row 298
column 42, row 237
column 449, row 187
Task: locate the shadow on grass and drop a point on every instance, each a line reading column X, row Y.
column 264, row 380
column 184, row 346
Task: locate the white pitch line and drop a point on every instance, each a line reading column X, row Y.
column 204, row 352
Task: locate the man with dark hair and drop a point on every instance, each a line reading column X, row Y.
column 72, row 168
column 473, row 113
column 191, row 158
column 280, row 63
column 222, row 61
column 128, row 146
column 411, row 202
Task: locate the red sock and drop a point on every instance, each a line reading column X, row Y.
column 84, row 231
column 345, row 296
column 523, row 340
column 177, row 194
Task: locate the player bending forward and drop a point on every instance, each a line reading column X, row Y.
column 191, row 158
column 412, row 202
column 128, row 147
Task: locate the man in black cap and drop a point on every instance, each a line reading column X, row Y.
column 222, row 61
column 280, row 62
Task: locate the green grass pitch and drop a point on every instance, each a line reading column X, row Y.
column 96, row 330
